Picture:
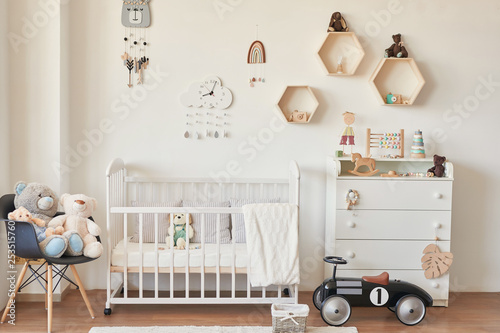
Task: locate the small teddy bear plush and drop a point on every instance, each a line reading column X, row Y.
column 438, row 168
column 337, row 23
column 178, row 230
column 397, row 49
column 22, row 214
column 78, row 208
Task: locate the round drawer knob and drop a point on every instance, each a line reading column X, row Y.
column 350, row 254
column 438, row 196
column 352, row 195
column 437, row 225
column 351, row 224
column 435, row 285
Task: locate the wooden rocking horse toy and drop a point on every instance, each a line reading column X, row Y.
column 360, row 161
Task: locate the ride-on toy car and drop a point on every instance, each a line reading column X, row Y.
column 335, row 296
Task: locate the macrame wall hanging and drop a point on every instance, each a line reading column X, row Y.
column 256, row 60
column 136, row 18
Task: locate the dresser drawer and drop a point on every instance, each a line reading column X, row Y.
column 384, row 254
column 437, row 288
column 393, row 194
column 392, row 224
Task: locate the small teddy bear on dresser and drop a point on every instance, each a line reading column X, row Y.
column 438, row 169
column 180, row 228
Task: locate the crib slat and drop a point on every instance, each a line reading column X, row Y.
column 203, row 218
column 171, row 259
column 218, row 257
column 279, row 291
column 157, row 263
column 125, row 252
column 141, row 266
column 248, row 279
column 263, row 292
column 187, row 256
column 233, row 268
column 136, row 191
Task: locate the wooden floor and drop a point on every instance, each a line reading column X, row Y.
column 468, row 312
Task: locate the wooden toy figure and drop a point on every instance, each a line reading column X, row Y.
column 348, row 133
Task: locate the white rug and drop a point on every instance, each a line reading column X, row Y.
column 213, row 329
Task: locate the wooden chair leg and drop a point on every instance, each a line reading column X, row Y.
column 82, row 291
column 46, row 283
column 49, row 297
column 13, row 296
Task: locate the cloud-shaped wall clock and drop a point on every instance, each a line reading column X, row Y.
column 208, row 93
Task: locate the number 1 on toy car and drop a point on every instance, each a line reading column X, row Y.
column 379, row 296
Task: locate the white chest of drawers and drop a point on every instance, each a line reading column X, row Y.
column 391, row 224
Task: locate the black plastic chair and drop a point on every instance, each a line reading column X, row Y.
column 23, row 236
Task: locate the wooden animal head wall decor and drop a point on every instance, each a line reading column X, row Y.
column 136, row 14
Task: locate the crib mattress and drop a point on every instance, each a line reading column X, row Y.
column 180, row 256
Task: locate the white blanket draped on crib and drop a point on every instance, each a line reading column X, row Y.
column 272, row 243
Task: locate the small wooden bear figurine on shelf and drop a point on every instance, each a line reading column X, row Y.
column 397, row 49
column 337, row 23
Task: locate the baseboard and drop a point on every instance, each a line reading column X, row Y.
column 58, row 297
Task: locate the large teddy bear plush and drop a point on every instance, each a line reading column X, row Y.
column 41, row 202
column 78, row 208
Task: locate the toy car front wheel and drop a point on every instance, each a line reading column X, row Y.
column 335, row 310
column 410, row 310
column 317, row 298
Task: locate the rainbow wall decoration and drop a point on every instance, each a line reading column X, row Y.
column 256, row 53
column 256, row 59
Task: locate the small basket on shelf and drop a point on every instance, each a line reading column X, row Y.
column 289, row 317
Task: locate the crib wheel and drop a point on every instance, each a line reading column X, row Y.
column 286, row 292
column 107, row 312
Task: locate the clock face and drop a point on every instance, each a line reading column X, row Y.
column 208, row 93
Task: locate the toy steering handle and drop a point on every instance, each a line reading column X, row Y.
column 335, row 260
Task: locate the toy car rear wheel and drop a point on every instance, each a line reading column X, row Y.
column 317, row 298
column 410, row 310
column 335, row 310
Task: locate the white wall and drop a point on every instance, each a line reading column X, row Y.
column 190, row 40
column 4, row 146
column 34, row 89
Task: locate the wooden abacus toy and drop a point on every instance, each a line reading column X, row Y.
column 395, row 141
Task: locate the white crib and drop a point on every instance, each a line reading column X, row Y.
column 152, row 273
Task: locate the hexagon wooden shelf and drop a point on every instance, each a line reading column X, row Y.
column 397, row 76
column 337, row 44
column 300, row 98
